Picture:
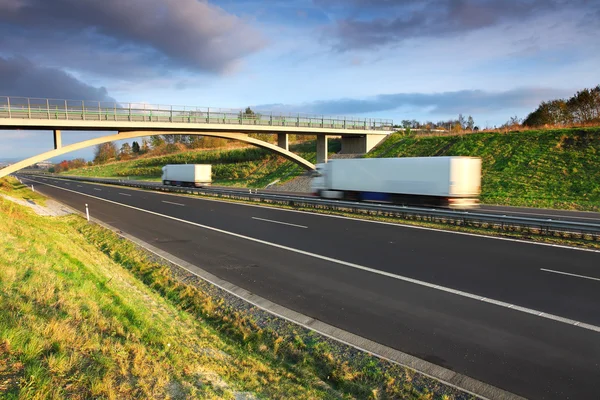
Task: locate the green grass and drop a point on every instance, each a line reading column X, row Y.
column 11, row 186
column 246, row 167
column 86, row 314
column 557, row 168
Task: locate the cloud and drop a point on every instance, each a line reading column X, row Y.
column 444, row 103
column 375, row 23
column 191, row 34
column 20, row 77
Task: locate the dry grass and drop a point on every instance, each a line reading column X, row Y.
column 11, row 186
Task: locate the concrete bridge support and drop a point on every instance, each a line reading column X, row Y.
column 283, row 141
column 57, row 139
column 321, row 149
column 360, row 144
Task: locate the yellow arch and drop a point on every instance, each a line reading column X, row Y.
column 242, row 137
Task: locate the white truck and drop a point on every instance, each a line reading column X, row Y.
column 453, row 182
column 196, row 175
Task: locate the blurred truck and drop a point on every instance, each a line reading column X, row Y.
column 196, row 175
column 453, row 182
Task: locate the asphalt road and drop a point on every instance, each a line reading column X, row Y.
column 317, row 265
column 527, row 212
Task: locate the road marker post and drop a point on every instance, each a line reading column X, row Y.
column 87, row 212
column 32, row 189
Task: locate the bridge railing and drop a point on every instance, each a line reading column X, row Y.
column 80, row 110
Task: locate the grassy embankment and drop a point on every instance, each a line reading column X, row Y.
column 16, row 190
column 85, row 314
column 558, row 168
column 247, row 167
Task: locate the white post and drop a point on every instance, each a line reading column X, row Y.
column 32, row 189
column 87, row 212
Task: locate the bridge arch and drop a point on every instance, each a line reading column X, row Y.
column 242, row 137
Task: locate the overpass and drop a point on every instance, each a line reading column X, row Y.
column 136, row 120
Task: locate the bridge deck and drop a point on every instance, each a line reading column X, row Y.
column 27, row 113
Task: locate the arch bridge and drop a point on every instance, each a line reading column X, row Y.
column 137, row 120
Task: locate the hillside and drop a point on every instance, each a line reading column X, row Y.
column 557, row 168
column 248, row 167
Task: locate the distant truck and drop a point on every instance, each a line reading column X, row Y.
column 196, row 175
column 453, row 182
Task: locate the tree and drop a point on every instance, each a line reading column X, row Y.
column 470, row 123
column 125, row 149
column 104, row 152
column 135, row 147
column 145, row 146
column 462, row 122
column 156, row 141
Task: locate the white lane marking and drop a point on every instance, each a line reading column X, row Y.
column 97, row 189
column 279, row 222
column 570, row 274
column 124, row 194
column 67, row 183
column 79, row 186
column 170, row 202
column 396, row 224
column 356, row 266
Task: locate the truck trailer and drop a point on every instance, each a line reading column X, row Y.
column 453, row 182
column 196, row 175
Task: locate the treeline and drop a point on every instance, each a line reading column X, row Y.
column 582, row 108
column 66, row 165
column 452, row 125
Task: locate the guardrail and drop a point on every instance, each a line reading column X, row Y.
column 546, row 227
column 80, row 110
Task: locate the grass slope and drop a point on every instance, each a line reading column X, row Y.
column 557, row 168
column 247, row 167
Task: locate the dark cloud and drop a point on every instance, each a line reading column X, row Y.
column 446, row 103
column 372, row 23
column 175, row 33
column 20, row 77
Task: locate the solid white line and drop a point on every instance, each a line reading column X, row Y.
column 124, row 194
column 568, row 273
column 396, row 224
column 170, row 202
column 279, row 222
column 356, row 266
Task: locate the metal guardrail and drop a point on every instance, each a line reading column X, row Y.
column 540, row 226
column 80, row 110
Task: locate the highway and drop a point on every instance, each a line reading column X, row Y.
column 425, row 292
column 528, row 212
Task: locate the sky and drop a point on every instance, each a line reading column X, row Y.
column 395, row 59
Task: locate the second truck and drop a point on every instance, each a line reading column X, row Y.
column 195, row 175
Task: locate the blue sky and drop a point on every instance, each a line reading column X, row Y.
column 413, row 59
